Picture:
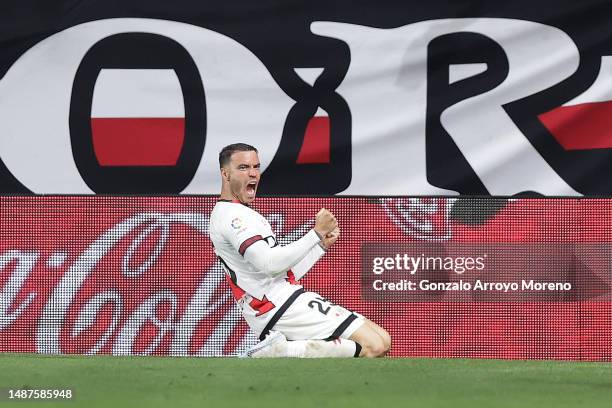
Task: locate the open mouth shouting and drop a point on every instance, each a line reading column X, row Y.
column 251, row 189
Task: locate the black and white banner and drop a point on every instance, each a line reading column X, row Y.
column 347, row 98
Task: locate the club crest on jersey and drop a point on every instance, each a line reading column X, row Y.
column 236, row 223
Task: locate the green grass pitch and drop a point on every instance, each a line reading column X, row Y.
column 105, row 381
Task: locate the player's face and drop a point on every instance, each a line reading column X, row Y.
column 244, row 175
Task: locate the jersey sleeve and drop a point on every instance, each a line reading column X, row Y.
column 307, row 262
column 278, row 260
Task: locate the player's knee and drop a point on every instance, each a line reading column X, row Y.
column 386, row 337
column 375, row 348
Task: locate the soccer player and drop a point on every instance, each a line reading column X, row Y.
column 263, row 275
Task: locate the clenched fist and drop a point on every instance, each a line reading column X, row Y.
column 330, row 239
column 325, row 222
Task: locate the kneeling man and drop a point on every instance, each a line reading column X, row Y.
column 290, row 321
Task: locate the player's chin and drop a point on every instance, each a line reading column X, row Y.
column 249, row 197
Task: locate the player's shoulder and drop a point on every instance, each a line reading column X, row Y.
column 231, row 219
column 229, row 210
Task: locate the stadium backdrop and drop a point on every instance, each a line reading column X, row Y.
column 393, row 115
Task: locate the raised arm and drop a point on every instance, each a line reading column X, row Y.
column 278, row 260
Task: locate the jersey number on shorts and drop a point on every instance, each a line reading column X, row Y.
column 319, row 302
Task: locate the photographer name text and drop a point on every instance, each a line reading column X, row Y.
column 477, row 285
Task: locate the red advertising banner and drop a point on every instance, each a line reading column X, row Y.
column 138, row 275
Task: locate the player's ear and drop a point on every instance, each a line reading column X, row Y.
column 225, row 173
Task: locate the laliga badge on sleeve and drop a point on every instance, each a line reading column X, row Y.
column 236, row 223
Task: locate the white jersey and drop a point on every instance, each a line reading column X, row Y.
column 234, row 227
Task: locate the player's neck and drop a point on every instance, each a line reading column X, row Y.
column 227, row 196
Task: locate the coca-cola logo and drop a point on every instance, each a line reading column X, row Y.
column 116, row 294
